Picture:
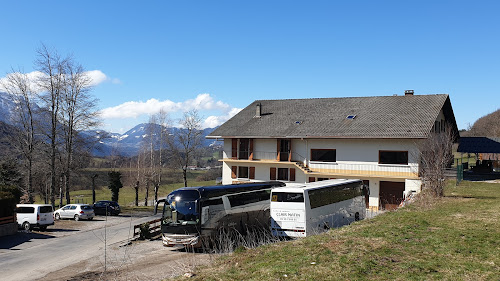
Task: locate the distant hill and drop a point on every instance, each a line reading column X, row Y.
column 129, row 143
column 7, row 108
column 6, row 133
column 486, row 126
column 103, row 143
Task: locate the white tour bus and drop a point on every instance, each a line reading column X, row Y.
column 299, row 210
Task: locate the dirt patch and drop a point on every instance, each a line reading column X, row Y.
column 140, row 260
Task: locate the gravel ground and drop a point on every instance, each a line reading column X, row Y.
column 137, row 260
column 140, row 260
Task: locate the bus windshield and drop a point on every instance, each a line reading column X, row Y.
column 287, row 197
column 181, row 208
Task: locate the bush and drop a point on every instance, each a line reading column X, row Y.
column 144, row 233
column 210, row 175
column 7, row 204
column 9, row 197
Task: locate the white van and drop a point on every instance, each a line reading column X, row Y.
column 34, row 215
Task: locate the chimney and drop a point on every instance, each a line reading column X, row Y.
column 409, row 93
column 258, row 111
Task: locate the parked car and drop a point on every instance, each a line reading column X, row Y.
column 105, row 207
column 75, row 211
column 34, row 215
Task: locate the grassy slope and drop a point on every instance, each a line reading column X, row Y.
column 454, row 238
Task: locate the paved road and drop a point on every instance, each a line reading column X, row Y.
column 30, row 256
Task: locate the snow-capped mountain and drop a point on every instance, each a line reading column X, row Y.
column 129, row 143
column 103, row 143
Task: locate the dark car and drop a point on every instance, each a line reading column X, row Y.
column 106, row 208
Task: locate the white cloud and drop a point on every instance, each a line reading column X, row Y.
column 137, row 108
column 204, row 103
column 31, row 76
column 97, row 77
column 214, row 121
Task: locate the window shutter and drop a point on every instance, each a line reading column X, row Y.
column 278, row 148
column 250, row 152
column 251, row 173
column 234, row 149
column 292, row 174
column 290, row 151
column 312, row 179
column 272, row 175
column 234, row 170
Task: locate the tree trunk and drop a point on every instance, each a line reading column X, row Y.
column 60, row 196
column 30, row 181
column 157, row 186
column 147, row 194
column 137, row 193
column 184, row 176
column 66, row 187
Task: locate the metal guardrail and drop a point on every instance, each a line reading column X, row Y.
column 154, row 228
column 364, row 169
column 6, row 220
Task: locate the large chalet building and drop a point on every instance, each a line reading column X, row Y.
column 305, row 140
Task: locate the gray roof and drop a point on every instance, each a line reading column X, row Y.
column 479, row 145
column 376, row 117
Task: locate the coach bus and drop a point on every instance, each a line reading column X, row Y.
column 304, row 209
column 192, row 214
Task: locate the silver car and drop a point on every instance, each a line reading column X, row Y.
column 75, row 211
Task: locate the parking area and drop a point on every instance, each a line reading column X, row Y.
column 53, row 250
column 65, row 227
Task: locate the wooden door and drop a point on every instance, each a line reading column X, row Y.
column 284, row 150
column 391, row 194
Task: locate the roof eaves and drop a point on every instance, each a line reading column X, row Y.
column 316, row 137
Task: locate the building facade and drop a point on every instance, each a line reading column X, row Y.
column 374, row 139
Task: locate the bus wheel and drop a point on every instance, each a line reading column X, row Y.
column 356, row 216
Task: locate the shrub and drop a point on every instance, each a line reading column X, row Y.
column 210, row 175
column 144, row 233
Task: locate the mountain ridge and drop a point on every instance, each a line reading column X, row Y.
column 105, row 143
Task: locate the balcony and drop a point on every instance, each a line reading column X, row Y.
column 331, row 169
column 364, row 170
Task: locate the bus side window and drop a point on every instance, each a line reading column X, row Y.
column 209, row 206
column 204, row 214
column 249, row 198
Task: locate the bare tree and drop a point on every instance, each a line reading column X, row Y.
column 152, row 136
column 78, row 112
column 435, row 156
column 19, row 86
column 158, row 130
column 143, row 170
column 187, row 141
column 51, row 82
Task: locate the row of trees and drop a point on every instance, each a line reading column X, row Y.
column 164, row 147
column 53, row 105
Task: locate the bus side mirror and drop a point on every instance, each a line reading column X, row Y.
column 156, row 205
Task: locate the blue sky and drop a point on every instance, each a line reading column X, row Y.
column 219, row 56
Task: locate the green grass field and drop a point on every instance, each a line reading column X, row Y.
column 127, row 194
column 453, row 238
